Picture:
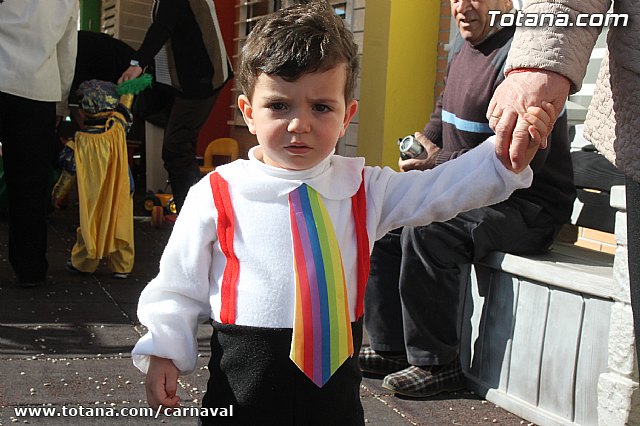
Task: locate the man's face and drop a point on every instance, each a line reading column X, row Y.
column 472, row 16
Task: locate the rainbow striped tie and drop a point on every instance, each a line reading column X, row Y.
column 322, row 328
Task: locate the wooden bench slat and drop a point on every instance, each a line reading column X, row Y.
column 565, row 266
column 560, row 353
column 528, row 336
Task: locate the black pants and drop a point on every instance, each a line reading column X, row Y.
column 412, row 295
column 179, row 145
column 27, row 130
column 251, row 370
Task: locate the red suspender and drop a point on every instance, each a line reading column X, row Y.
column 222, row 201
column 359, row 208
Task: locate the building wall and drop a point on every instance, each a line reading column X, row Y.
column 126, row 20
column 217, row 125
column 401, row 92
column 445, row 35
column 398, row 75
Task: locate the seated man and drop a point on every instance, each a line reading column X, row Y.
column 411, row 304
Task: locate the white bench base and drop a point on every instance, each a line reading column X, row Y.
column 534, row 332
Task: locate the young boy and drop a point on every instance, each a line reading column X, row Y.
column 275, row 248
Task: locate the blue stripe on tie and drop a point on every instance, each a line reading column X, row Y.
column 465, row 125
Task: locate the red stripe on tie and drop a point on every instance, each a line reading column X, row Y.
column 305, row 298
column 222, row 201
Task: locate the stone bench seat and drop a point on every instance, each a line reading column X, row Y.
column 565, row 265
column 550, row 337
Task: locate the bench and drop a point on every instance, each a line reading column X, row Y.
column 550, row 337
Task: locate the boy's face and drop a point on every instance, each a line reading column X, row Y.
column 298, row 123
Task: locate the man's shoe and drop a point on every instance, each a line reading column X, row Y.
column 428, row 381
column 372, row 362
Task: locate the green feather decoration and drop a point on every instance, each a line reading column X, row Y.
column 135, row 86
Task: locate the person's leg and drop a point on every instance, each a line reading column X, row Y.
column 383, row 311
column 180, row 138
column 430, row 284
column 430, row 272
column 382, row 308
column 27, row 135
column 121, row 260
column 633, row 247
column 79, row 261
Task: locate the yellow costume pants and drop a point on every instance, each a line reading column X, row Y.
column 106, row 207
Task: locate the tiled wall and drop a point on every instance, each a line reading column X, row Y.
column 596, row 240
column 443, row 46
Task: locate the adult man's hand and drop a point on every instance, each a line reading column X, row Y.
column 130, row 73
column 426, row 160
column 520, row 90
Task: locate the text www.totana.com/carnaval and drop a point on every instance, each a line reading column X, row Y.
column 82, row 411
column 521, row 19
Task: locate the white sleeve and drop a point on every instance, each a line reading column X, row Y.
column 66, row 50
column 177, row 300
column 473, row 180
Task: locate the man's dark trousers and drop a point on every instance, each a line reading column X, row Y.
column 413, row 291
column 27, row 129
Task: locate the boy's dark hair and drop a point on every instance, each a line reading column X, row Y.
column 301, row 39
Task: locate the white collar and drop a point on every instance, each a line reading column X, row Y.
column 335, row 177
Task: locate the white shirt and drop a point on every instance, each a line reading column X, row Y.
column 187, row 289
column 38, row 44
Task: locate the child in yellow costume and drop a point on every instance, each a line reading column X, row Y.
column 104, row 190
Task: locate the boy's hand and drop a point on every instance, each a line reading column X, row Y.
column 162, row 383
column 536, row 124
column 426, row 160
column 541, row 122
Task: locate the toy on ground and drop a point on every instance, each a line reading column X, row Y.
column 161, row 206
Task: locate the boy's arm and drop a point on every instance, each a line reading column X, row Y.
column 162, row 383
column 415, row 198
column 480, row 177
column 176, row 301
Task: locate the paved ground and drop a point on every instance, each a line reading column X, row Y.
column 67, row 347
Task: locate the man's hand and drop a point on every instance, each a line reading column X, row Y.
column 426, row 160
column 130, row 73
column 162, row 383
column 510, row 101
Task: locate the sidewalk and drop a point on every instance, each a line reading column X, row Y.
column 67, row 345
